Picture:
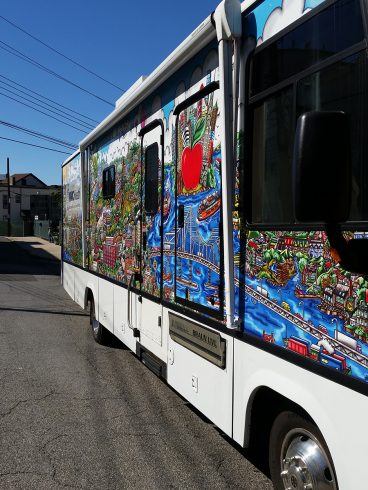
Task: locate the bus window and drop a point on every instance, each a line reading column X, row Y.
column 108, row 182
column 151, row 179
column 271, row 163
column 320, row 64
column 343, row 87
column 331, row 31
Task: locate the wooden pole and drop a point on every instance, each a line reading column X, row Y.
column 8, row 178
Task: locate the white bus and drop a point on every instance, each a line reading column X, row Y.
column 231, row 181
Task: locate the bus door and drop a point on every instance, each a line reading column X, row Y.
column 151, row 237
column 198, row 247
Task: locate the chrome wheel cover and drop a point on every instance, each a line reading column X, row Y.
column 95, row 326
column 304, row 463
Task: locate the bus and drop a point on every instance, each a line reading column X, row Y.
column 229, row 182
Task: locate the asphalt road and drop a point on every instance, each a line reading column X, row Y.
column 74, row 414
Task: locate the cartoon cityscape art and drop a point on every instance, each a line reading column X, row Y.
column 198, row 249
column 72, row 212
column 297, row 297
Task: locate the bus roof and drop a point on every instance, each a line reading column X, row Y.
column 197, row 40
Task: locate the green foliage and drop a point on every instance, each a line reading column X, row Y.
column 264, row 275
column 313, row 289
column 360, row 331
column 271, row 255
column 199, row 130
column 94, row 165
column 328, row 274
column 362, row 294
column 211, row 179
column 302, row 262
column 285, row 254
column 253, row 234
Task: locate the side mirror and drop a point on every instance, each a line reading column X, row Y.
column 322, row 168
column 322, row 182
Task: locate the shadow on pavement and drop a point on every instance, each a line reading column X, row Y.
column 20, row 259
column 48, row 312
column 35, row 250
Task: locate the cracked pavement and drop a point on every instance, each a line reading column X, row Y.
column 74, row 414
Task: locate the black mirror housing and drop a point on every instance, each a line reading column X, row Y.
column 322, row 167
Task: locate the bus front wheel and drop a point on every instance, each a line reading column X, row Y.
column 298, row 455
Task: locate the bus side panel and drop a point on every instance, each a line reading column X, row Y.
column 72, row 228
column 203, row 384
column 68, row 279
column 106, row 304
column 121, row 327
column 290, row 291
column 326, row 402
column 81, row 279
column 72, row 211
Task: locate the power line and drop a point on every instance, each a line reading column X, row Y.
column 36, row 134
column 73, row 119
column 45, row 113
column 38, row 105
column 76, row 119
column 50, row 140
column 50, row 100
column 35, row 63
column 59, row 53
column 36, row 146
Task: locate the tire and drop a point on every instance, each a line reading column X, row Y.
column 298, row 455
column 98, row 330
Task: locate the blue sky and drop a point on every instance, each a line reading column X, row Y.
column 118, row 40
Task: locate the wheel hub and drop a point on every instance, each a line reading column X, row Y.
column 95, row 325
column 305, row 465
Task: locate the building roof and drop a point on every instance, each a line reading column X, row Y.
column 16, row 180
column 17, row 177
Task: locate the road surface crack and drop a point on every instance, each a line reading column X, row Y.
column 43, row 450
column 28, row 400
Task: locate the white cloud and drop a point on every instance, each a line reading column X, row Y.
column 290, row 11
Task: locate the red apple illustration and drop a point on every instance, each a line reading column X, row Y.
column 191, row 166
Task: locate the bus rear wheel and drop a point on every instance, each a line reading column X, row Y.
column 298, row 455
column 98, row 330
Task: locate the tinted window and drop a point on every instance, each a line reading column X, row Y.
column 151, row 179
column 108, row 182
column 343, row 86
column 273, row 129
column 331, row 31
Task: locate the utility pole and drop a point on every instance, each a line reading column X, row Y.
column 8, row 178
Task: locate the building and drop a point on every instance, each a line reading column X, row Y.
column 284, row 271
column 30, row 199
column 293, row 243
column 316, row 248
column 309, row 274
column 360, row 316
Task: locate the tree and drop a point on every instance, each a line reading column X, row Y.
column 302, row 262
column 252, row 234
column 264, row 275
column 362, row 294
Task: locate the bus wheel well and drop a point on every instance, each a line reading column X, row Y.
column 88, row 296
column 264, row 406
